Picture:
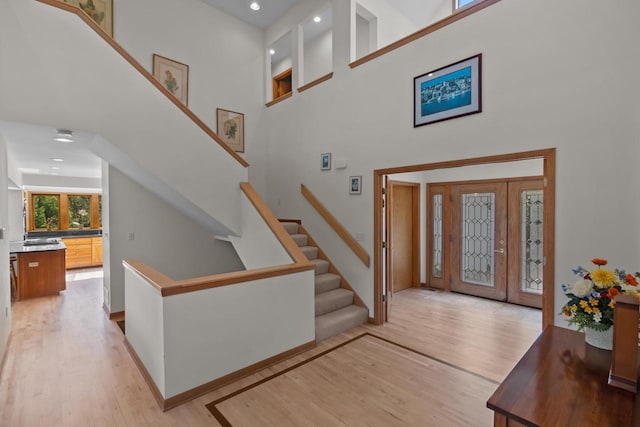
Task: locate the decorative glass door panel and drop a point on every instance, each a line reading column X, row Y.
column 438, row 229
column 479, row 234
column 477, row 238
column 526, row 262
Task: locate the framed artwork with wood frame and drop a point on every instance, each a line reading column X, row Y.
column 282, row 84
column 325, row 161
column 448, row 92
column 101, row 11
column 173, row 75
column 230, row 128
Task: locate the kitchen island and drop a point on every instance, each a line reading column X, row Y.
column 41, row 267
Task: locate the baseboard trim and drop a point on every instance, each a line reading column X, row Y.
column 4, row 355
column 179, row 399
column 146, row 375
column 118, row 315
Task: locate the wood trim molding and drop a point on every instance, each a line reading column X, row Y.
column 279, row 99
column 179, row 399
column 332, row 269
column 315, row 82
column 548, row 156
column 145, row 374
column 454, row 17
column 117, row 316
column 335, row 224
column 82, row 15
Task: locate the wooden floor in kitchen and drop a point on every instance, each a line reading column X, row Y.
column 436, row 363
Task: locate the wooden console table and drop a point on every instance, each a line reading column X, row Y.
column 562, row 381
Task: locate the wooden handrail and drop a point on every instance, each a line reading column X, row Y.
column 335, row 224
column 168, row 286
column 102, row 33
column 276, row 227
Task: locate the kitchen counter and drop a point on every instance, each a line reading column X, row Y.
column 41, row 267
column 36, row 245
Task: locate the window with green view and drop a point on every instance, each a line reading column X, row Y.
column 46, row 211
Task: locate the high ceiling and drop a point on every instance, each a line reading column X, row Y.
column 270, row 10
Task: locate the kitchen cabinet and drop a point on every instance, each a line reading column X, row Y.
column 83, row 251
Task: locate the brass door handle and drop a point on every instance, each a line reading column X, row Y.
column 500, row 251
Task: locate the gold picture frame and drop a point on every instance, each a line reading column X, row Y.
column 173, row 75
column 101, row 11
column 230, row 128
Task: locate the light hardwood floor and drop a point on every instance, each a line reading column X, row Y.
column 67, row 366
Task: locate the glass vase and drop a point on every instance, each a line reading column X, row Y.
column 599, row 339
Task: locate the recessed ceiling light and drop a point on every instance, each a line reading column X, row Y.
column 63, row 135
column 55, row 168
column 317, row 19
column 57, row 159
column 272, row 52
column 254, row 5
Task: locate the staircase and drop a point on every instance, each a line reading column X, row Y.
column 336, row 310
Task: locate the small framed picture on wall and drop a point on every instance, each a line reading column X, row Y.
column 355, row 185
column 325, row 161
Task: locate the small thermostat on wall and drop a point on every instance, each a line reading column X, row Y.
column 340, row 163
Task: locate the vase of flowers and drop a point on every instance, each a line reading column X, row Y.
column 591, row 300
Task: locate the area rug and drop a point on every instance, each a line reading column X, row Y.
column 367, row 380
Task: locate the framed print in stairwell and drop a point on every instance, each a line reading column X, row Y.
column 355, row 185
column 173, row 75
column 448, row 92
column 101, row 11
column 230, row 128
column 325, row 161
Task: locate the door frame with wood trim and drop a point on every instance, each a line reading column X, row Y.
column 415, row 237
column 548, row 157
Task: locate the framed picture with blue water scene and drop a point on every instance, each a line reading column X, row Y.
column 448, row 92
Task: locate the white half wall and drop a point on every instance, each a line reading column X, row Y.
column 211, row 333
column 141, row 226
column 145, row 325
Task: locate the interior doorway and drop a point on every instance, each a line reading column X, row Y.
column 546, row 178
column 403, row 237
column 486, row 238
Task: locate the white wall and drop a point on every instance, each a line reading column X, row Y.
column 317, row 57
column 225, row 58
column 15, row 229
column 281, row 66
column 5, row 286
column 565, row 101
column 258, row 247
column 231, row 327
column 163, row 238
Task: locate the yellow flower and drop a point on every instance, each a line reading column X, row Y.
column 584, row 304
column 612, row 304
column 595, row 310
column 574, row 308
column 588, row 310
column 594, row 302
column 603, row 278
